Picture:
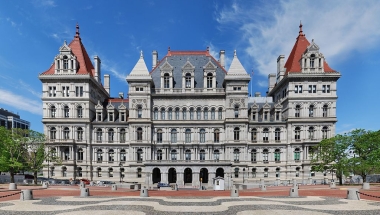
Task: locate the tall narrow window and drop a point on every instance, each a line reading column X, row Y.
column 188, row 136
column 265, row 155
column 66, row 133
column 254, row 172
column 139, row 172
column 80, row 112
column 277, row 155
column 139, row 155
column 52, row 91
column 139, row 134
column 202, row 155
column 177, row 113
column 79, row 91
column 159, row 136
column 80, row 134
column 311, row 111
column 139, row 112
column 236, row 155
column 65, row 63
column 99, row 155
column 216, row 154
column 99, row 116
column 198, row 113
column 110, row 172
column 170, row 114
column 220, row 113
column 188, row 80
column 265, row 134
column 110, row 117
column 53, row 111
column 111, row 155
column 311, row 133
column 277, row 115
column 166, row 80
column 297, row 133
column 254, row 116
column 174, row 136
column 202, row 135
column 188, row 154
column 205, row 114
column 324, row 132
column 66, row 111
column 266, row 173
column 277, row 134
column 209, row 80
column 236, row 133
column 236, row 172
column 212, row 113
column 162, row 113
column 65, row 91
column 80, row 154
column 236, row 111
column 297, row 172
column 191, row 113
column 216, row 136
column 155, row 114
column 312, row 58
column 184, row 113
column 123, row 156
column 277, row 172
column 122, row 135
column 173, row 154
column 254, row 135
column 53, row 132
column 325, row 108
column 99, row 134
column 159, row 155
column 110, row 135
column 253, row 155
column 297, row 111
column 297, row 154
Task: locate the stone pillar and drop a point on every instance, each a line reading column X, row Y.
column 26, row 195
column 365, row 186
column 144, row 192
column 332, row 185
column 353, row 194
column 84, row 192
column 211, row 175
column 234, row 192
column 114, row 187
column 12, row 186
column 293, row 192
column 180, row 179
column 195, row 181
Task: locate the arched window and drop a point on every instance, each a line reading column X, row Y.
column 162, row 113
column 188, row 136
column 220, row 113
column 266, row 173
column 236, row 155
column 170, row 113
column 159, row 154
column 324, row 132
column 80, row 112
column 111, row 155
column 236, row 133
column 79, row 134
column 277, row 134
column 277, row 172
column 66, row 153
column 65, row 63
column 254, row 135
column 297, row 133
column 53, row 111
column 277, row 155
column 184, row 113
column 173, row 135
column 53, row 133
column 311, row 133
column 66, row 111
column 66, row 133
column 311, row 111
column 110, row 135
column 202, row 135
column 166, row 80
column 159, row 136
column 123, row 156
column 139, row 134
column 99, row 172
column 202, row 155
column 122, row 135
column 198, row 113
column 188, row 154
column 216, row 135
column 265, row 155
column 297, row 113
column 99, row 134
column 191, row 113
column 205, row 114
column 297, row 154
column 139, row 155
column 253, row 155
column 155, row 114
column 139, row 111
column 236, row 111
column 110, row 172
column 254, row 172
column 173, row 154
column 209, row 80
column 325, row 110
column 312, row 58
column 212, row 113
column 64, row 171
column 265, row 134
column 139, row 171
column 236, row 171
column 99, row 155
column 188, row 80
column 80, row 154
column 216, row 154
column 177, row 113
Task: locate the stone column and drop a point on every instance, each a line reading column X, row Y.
column 195, row 181
column 211, row 175
column 180, row 178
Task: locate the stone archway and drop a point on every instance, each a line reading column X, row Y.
column 188, row 175
column 203, row 174
column 219, row 172
column 156, row 175
column 172, row 175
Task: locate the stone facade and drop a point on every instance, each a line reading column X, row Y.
column 188, row 120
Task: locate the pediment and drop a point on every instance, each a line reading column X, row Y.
column 99, row 105
column 65, row 48
column 122, row 106
column 110, row 106
column 266, row 106
column 188, row 66
column 255, row 106
column 313, row 47
column 166, row 67
column 278, row 106
column 209, row 66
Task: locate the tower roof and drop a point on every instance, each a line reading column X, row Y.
column 293, row 62
column 78, row 49
column 140, row 71
column 236, row 69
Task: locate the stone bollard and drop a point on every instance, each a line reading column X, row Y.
column 136, row 187
column 26, row 195
column 45, row 184
column 91, row 183
column 234, row 192
column 84, row 192
column 295, row 185
column 240, row 186
column 332, row 185
column 12, row 186
column 114, row 187
column 294, row 182
column 353, row 194
column 278, row 182
column 144, row 192
column 82, row 184
column 365, row 186
column 293, row 192
column 263, row 187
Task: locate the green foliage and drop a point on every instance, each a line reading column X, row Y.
column 35, row 154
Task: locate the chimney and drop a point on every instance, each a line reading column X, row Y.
column 97, row 69
column 107, row 83
column 280, row 67
column 257, row 94
column 155, row 58
column 221, row 58
column 271, row 81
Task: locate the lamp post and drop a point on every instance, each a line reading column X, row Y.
column 120, row 165
column 243, row 174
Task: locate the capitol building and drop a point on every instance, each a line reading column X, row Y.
column 187, row 119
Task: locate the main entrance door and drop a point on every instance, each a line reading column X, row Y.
column 156, row 175
column 172, row 176
column 203, row 175
column 188, row 175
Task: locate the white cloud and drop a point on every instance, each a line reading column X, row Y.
column 20, row 102
column 45, row 3
column 27, row 87
column 214, row 51
column 113, row 71
column 269, row 30
column 262, row 83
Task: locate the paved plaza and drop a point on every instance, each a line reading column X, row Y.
column 66, row 201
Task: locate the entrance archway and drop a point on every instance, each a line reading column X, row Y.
column 156, row 175
column 219, row 172
column 203, row 174
column 188, row 175
column 172, row 176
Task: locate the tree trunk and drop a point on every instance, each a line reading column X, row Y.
column 12, row 176
column 35, row 177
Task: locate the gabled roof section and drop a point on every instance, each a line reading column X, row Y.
column 237, row 70
column 301, row 45
column 85, row 66
column 140, row 69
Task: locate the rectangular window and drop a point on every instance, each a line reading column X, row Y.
column 110, row 117
column 52, row 91
column 65, row 91
column 122, row 116
column 99, row 116
column 220, row 114
column 79, row 91
column 298, row 88
column 139, row 89
column 312, row 88
column 254, row 116
column 237, row 88
column 277, row 115
column 325, row 88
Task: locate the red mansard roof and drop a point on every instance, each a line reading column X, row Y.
column 77, row 48
column 293, row 62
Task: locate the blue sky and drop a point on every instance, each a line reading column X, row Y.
column 347, row 32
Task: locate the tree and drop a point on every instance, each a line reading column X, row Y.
column 365, row 145
column 333, row 154
column 35, row 154
column 12, row 150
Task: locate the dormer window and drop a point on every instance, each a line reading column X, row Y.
column 312, row 58
column 166, row 80
column 99, row 116
column 65, row 63
column 110, row 117
column 209, row 80
column 188, row 80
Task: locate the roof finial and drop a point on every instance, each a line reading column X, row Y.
column 141, row 54
column 64, row 42
column 235, row 53
column 169, row 49
column 208, row 49
column 301, row 32
column 77, row 31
